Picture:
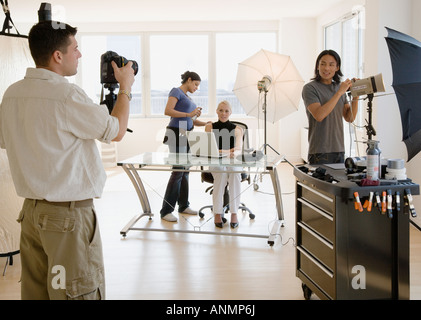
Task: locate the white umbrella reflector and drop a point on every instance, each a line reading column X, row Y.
column 284, row 93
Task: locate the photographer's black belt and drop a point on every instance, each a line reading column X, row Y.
column 68, row 204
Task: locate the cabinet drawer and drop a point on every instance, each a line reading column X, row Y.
column 317, row 219
column 318, row 198
column 316, row 245
column 318, row 274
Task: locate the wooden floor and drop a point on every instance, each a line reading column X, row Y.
column 181, row 266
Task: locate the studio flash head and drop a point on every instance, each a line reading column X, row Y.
column 367, row 86
column 107, row 71
column 264, row 83
column 44, row 12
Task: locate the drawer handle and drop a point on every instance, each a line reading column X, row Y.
column 314, row 234
column 315, row 192
column 317, row 263
column 324, row 214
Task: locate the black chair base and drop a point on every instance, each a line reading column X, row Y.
column 242, row 207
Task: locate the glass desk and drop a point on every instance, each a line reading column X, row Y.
column 160, row 161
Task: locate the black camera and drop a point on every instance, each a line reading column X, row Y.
column 107, row 71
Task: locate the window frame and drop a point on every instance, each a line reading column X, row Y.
column 358, row 125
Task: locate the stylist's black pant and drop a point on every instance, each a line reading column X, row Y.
column 178, row 184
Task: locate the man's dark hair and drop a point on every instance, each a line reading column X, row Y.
column 46, row 37
column 335, row 55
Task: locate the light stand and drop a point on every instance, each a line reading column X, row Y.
column 111, row 98
column 370, row 129
column 263, row 85
column 372, row 145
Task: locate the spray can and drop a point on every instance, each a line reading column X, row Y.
column 373, row 161
column 195, row 116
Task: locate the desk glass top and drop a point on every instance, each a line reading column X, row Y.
column 184, row 159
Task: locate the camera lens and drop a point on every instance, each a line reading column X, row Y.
column 135, row 66
column 107, row 71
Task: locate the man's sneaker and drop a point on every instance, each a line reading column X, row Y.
column 169, row 217
column 189, row 211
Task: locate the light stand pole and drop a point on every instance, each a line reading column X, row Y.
column 264, row 117
column 370, row 129
column 263, row 85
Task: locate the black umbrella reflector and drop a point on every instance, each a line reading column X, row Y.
column 405, row 55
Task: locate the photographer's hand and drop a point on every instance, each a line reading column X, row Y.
column 124, row 75
column 121, row 110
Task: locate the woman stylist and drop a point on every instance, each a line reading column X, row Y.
column 182, row 110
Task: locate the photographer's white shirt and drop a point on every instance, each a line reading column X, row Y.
column 48, row 127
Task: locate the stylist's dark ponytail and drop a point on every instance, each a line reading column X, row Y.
column 189, row 74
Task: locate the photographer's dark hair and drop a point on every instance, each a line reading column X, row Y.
column 189, row 74
column 46, row 37
column 335, row 55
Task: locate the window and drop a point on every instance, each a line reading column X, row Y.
column 171, row 56
column 164, row 57
column 92, row 47
column 231, row 49
column 346, row 38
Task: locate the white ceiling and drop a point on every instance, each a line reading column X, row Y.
column 77, row 11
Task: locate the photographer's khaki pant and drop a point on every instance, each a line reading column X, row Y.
column 61, row 252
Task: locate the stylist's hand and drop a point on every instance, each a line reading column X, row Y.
column 196, row 112
column 124, row 75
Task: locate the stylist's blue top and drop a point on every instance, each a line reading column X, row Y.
column 184, row 104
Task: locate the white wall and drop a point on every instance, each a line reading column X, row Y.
column 299, row 42
column 386, row 116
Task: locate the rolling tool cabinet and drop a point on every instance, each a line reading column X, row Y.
column 343, row 253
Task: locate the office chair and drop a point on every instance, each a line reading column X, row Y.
column 207, row 177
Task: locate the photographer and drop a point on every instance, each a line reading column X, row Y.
column 48, row 127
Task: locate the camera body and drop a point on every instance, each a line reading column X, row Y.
column 107, row 71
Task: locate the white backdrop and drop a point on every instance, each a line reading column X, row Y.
column 15, row 57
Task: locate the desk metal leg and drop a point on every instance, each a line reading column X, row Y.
column 131, row 171
column 141, row 193
column 278, row 198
